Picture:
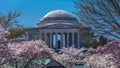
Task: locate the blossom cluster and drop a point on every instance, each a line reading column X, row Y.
column 11, row 53
column 107, row 56
column 30, row 49
column 71, row 56
column 3, row 34
column 100, row 61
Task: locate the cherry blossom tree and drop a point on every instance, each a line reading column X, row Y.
column 21, row 54
column 3, row 34
column 29, row 53
column 4, row 50
column 112, row 47
column 101, row 61
column 70, row 56
column 107, row 56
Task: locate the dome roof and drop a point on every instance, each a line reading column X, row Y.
column 58, row 17
column 58, row 13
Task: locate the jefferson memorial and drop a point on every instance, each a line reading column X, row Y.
column 58, row 29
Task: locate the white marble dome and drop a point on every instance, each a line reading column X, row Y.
column 58, row 13
column 58, row 17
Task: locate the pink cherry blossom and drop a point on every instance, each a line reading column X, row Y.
column 71, row 56
column 107, row 56
column 101, row 61
column 4, row 50
column 29, row 50
column 18, row 51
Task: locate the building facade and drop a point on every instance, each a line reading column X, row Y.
column 59, row 29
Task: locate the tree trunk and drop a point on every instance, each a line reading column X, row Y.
column 16, row 65
column 28, row 63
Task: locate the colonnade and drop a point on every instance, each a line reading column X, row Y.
column 59, row 40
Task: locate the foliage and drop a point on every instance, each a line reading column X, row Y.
column 22, row 53
column 10, row 23
column 107, row 56
column 102, row 16
column 113, row 48
column 71, row 56
column 100, row 61
column 17, row 33
column 3, row 34
column 4, row 50
column 10, row 20
column 94, row 44
column 101, row 42
column 28, row 52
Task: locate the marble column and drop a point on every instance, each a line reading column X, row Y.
column 61, row 40
column 50, row 40
column 67, row 39
column 56, row 41
column 45, row 38
column 72, row 38
column 78, row 40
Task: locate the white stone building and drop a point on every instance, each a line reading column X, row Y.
column 58, row 29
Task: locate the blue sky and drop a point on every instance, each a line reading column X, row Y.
column 34, row 10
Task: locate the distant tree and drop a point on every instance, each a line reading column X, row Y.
column 17, row 33
column 94, row 44
column 10, row 23
column 9, row 20
column 101, row 42
column 102, row 16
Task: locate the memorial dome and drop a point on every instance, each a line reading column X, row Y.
column 58, row 15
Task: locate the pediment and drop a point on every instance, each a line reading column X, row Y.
column 59, row 26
